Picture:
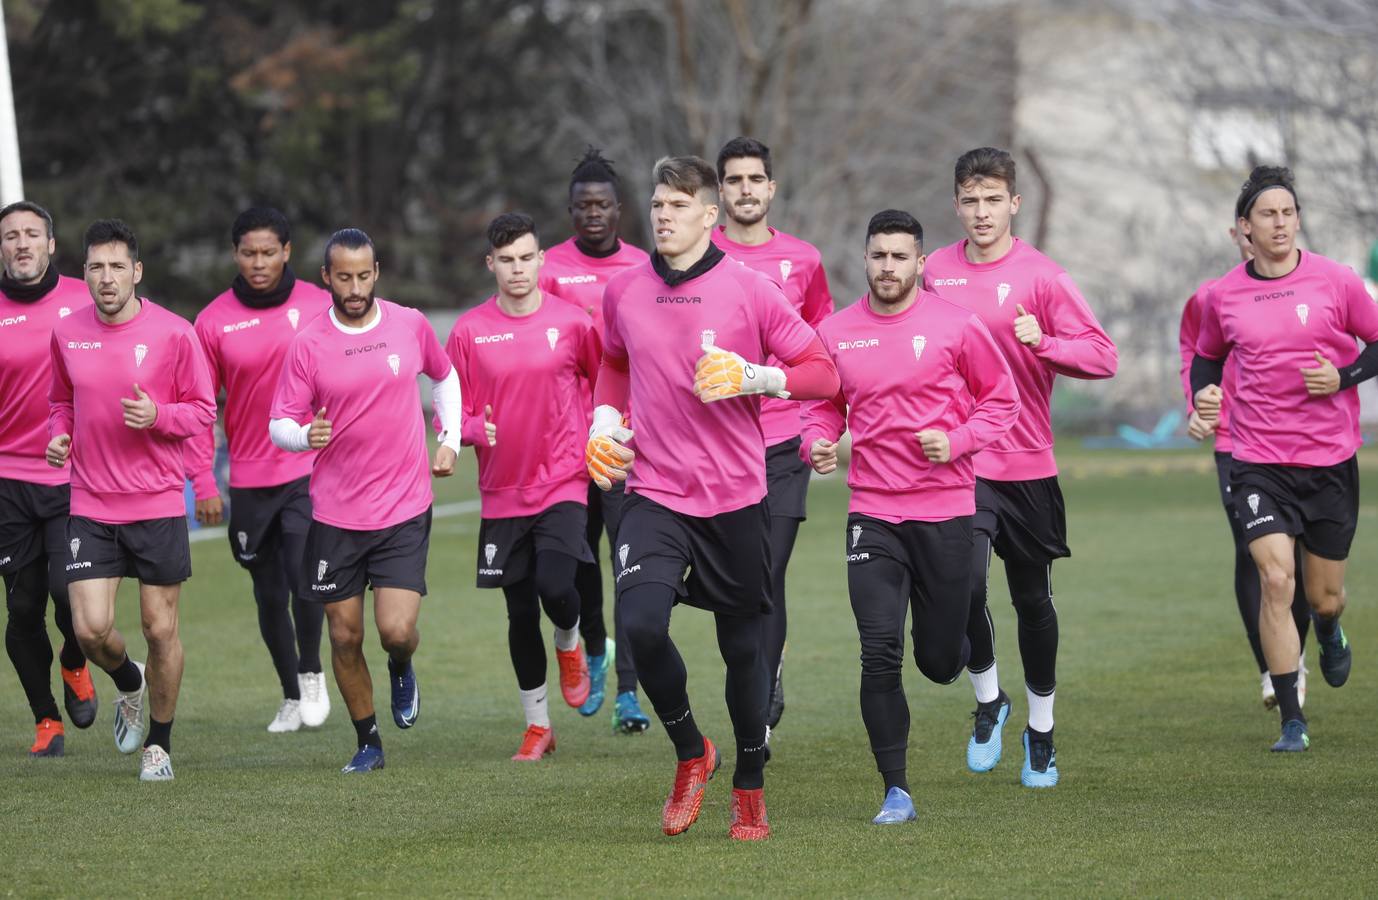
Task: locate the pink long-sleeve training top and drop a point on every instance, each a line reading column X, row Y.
column 245, row 348
column 537, row 373
column 1187, row 334
column 26, row 373
column 797, row 267
column 122, row 474
column 1073, row 343
column 575, row 277
column 933, row 366
column 1273, row 328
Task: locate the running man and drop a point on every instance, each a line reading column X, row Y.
column 687, row 337
column 578, row 270
column 924, row 387
column 348, row 390
column 245, row 332
column 130, row 385
column 1289, row 319
column 1247, row 591
column 34, row 497
column 747, row 189
column 1044, row 328
column 526, row 366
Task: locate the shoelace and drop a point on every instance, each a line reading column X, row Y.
column 986, row 716
column 312, row 687
column 1040, row 755
column 158, row 758
column 131, row 709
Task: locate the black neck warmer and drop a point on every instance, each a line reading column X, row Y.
column 673, row 277
column 597, row 254
column 264, row 299
column 29, row 293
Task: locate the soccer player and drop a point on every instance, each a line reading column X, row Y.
column 526, row 367
column 1044, row 328
column 1289, row 319
column 747, row 189
column 348, row 390
column 1246, row 584
column 245, row 332
column 687, row 337
column 924, row 387
column 34, row 498
column 129, row 386
column 578, row 270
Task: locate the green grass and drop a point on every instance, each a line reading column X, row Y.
column 1168, row 788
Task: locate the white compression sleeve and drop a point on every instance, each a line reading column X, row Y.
column 289, row 435
column 449, row 406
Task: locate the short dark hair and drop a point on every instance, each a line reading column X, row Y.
column 29, row 206
column 111, row 231
column 1263, row 178
column 984, row 163
column 506, row 228
column 349, row 239
column 743, row 148
column 593, row 167
column 261, row 218
column 687, row 174
column 894, row 221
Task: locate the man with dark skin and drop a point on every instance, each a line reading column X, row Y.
column 577, row 271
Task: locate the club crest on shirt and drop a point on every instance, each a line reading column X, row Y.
column 394, row 363
column 320, row 569
column 293, row 317
column 1002, row 292
column 551, row 336
column 785, row 267
column 856, row 535
column 489, row 552
column 622, row 554
column 1302, row 312
column 1252, row 500
column 707, row 338
column 75, row 546
column 140, row 352
column 919, row 343
column 64, row 312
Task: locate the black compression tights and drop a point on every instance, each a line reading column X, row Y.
column 646, row 611
column 551, row 588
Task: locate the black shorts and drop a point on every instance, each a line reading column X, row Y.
column 937, row 554
column 1318, row 505
column 605, row 510
column 787, row 480
column 339, row 563
column 507, row 548
column 260, row 516
column 33, row 521
column 720, row 563
column 1026, row 521
column 155, row 551
column 1223, row 464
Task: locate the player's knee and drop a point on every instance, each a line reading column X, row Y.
column 941, row 664
column 881, row 659
column 881, row 682
column 1034, row 609
column 346, row 637
column 1327, row 600
column 160, row 631
column 646, row 635
column 1278, row 583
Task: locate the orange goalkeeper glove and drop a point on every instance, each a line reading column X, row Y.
column 720, row 374
column 605, row 456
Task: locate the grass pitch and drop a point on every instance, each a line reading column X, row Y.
column 1167, row 789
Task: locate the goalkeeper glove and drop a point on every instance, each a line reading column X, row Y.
column 605, row 456
column 720, row 374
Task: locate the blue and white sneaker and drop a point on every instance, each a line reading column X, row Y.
column 1335, row 657
column 985, row 746
column 367, row 759
column 898, row 807
column 406, row 696
column 1294, row 737
column 598, row 679
column 1040, row 760
column 627, row 717
column 129, row 716
column 156, row 765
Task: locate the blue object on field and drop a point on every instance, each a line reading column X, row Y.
column 1164, row 435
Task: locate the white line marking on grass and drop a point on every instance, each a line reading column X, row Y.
column 443, row 511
